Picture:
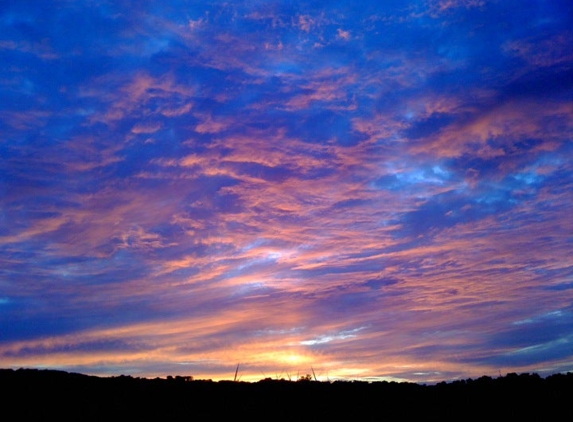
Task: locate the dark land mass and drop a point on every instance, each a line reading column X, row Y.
column 30, row 394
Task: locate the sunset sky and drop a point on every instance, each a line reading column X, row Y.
column 367, row 190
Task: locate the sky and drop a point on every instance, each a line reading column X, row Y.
column 375, row 190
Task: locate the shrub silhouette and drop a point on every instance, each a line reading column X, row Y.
column 45, row 394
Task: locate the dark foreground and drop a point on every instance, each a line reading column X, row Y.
column 42, row 394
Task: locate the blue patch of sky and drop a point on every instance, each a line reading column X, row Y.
column 321, row 126
column 559, row 287
column 381, row 283
column 441, row 348
column 19, row 92
column 272, row 174
column 107, row 345
column 364, row 266
column 538, row 329
column 547, row 82
column 450, row 208
column 341, row 303
column 40, row 314
column 529, row 352
column 87, row 271
column 17, row 328
column 537, row 354
column 284, row 67
column 521, row 18
column 40, row 22
column 428, row 126
column 533, row 178
column 21, row 192
column 351, row 203
column 61, row 319
column 416, row 179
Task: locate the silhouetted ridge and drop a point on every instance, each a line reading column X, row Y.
column 41, row 394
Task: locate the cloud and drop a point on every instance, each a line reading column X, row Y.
column 343, row 35
column 543, row 52
column 444, row 5
column 377, row 192
column 148, row 127
column 210, row 126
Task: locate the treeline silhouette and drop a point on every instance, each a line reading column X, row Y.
column 40, row 394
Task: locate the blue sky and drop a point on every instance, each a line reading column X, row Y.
column 378, row 190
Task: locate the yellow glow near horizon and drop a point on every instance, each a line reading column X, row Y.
column 295, row 359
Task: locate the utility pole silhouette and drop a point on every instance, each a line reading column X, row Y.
column 236, row 372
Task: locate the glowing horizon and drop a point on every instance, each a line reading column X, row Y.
column 374, row 191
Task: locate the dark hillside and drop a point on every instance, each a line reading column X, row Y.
column 39, row 394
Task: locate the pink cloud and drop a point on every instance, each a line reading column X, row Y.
column 342, row 34
column 146, row 127
column 440, row 6
column 210, row 125
column 542, row 52
column 507, row 124
column 131, row 98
